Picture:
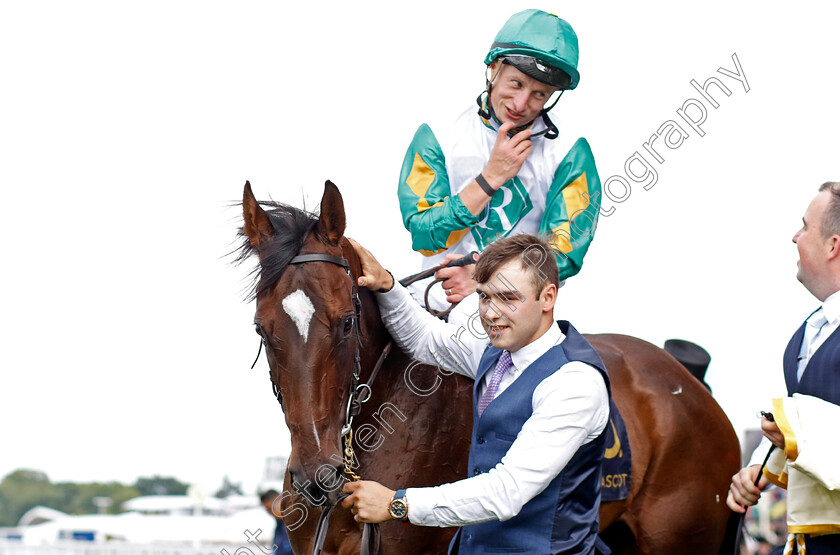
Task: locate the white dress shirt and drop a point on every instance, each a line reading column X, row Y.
column 570, row 409
column 814, row 337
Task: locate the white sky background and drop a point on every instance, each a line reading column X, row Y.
column 127, row 130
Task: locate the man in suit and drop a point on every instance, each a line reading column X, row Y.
column 541, row 407
column 811, row 367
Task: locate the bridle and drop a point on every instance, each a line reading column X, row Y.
column 360, row 392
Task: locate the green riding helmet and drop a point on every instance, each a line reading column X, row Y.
column 540, row 45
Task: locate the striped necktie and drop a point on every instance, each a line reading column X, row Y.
column 502, row 366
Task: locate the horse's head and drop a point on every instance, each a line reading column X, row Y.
column 308, row 316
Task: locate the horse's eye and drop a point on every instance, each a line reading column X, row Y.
column 348, row 325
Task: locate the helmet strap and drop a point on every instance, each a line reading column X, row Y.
column 552, row 132
column 553, row 104
column 489, row 76
column 485, row 110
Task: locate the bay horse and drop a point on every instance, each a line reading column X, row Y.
column 323, row 338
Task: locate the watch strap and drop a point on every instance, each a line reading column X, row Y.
column 400, row 494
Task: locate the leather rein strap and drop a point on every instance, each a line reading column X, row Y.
column 371, row 538
column 466, row 260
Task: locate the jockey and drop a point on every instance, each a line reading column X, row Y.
column 505, row 168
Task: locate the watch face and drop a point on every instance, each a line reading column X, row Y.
column 398, row 508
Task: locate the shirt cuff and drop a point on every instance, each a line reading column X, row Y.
column 390, row 301
column 421, row 504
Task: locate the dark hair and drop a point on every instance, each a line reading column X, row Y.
column 831, row 218
column 533, row 252
column 291, row 225
column 269, row 495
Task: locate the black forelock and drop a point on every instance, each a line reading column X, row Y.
column 291, row 225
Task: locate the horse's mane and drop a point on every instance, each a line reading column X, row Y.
column 291, row 225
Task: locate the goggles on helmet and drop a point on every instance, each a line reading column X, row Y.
column 539, row 70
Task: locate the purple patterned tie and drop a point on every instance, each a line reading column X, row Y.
column 490, row 393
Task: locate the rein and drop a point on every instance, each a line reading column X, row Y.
column 466, row 260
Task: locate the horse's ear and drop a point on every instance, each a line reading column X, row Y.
column 332, row 222
column 257, row 226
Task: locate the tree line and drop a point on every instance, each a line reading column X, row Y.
column 23, row 489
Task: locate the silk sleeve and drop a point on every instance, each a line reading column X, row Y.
column 572, row 207
column 435, row 217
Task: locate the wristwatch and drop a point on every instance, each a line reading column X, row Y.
column 398, row 507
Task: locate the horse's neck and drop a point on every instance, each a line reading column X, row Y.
column 412, row 409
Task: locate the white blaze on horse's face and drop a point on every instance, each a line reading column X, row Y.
column 299, row 308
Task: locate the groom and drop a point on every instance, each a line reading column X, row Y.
column 541, row 407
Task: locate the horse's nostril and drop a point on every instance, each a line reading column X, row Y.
column 309, row 490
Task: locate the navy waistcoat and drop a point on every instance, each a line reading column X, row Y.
column 563, row 518
column 821, row 377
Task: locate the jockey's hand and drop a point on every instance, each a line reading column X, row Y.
column 773, row 433
column 458, row 282
column 743, row 491
column 507, row 156
column 374, row 276
column 368, row 501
